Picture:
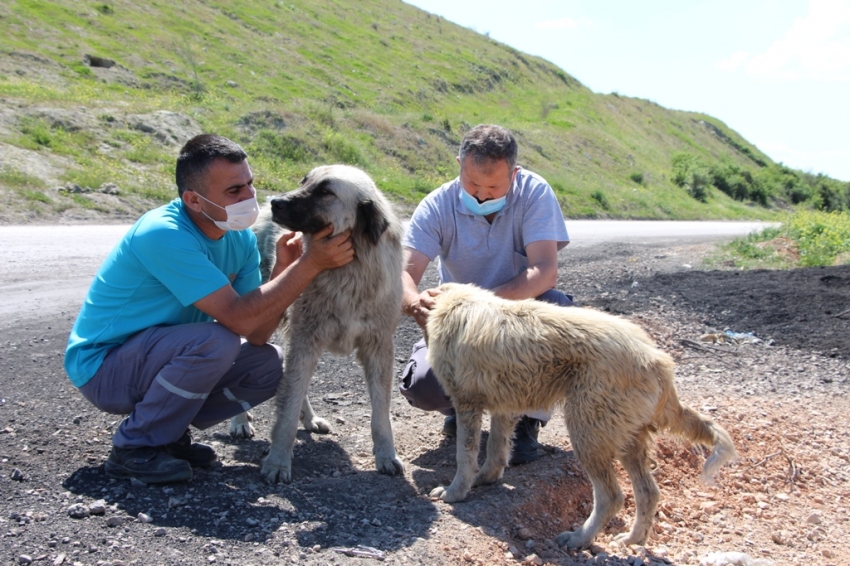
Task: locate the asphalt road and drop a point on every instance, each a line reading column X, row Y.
column 47, row 269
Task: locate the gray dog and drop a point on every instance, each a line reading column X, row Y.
column 352, row 308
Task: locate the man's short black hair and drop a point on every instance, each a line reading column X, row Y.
column 486, row 143
column 197, row 155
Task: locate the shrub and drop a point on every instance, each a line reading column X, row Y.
column 692, row 174
column 738, row 183
column 600, row 198
column 637, row 177
column 820, row 236
column 698, row 186
column 830, row 195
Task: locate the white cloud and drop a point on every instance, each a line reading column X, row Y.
column 563, row 23
column 816, row 46
column 734, row 61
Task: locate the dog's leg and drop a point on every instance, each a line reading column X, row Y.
column 301, row 360
column 597, row 458
column 311, row 422
column 498, row 448
column 468, row 439
column 636, row 462
column 377, row 361
column 241, row 427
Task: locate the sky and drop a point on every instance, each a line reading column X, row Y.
column 775, row 71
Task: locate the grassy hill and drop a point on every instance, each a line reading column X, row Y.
column 97, row 98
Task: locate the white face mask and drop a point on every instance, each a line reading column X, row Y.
column 240, row 216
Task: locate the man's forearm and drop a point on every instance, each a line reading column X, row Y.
column 255, row 315
column 264, row 332
column 410, row 294
column 529, row 284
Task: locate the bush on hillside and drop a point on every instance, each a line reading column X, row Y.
column 738, row 183
column 600, row 198
column 815, row 191
column 692, row 174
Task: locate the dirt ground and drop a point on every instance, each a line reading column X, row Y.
column 781, row 393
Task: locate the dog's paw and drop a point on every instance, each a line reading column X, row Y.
column 390, row 466
column 318, row 426
column 447, row 494
column 273, row 472
column 437, row 492
column 488, row 475
column 572, row 539
column 626, row 539
column 240, row 426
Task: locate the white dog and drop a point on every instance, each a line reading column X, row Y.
column 614, row 386
column 355, row 307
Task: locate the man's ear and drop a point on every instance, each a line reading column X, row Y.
column 513, row 175
column 191, row 200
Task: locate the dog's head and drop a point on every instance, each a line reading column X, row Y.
column 340, row 195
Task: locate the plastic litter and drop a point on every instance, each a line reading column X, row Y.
column 733, row 559
column 742, row 337
column 730, row 337
column 361, row 551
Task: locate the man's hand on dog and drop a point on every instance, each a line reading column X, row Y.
column 289, row 247
column 421, row 309
column 325, row 251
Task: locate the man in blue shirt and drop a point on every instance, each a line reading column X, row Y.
column 497, row 226
column 159, row 335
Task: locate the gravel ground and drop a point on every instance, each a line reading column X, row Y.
column 782, row 397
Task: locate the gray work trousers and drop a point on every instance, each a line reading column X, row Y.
column 168, row 377
column 420, row 387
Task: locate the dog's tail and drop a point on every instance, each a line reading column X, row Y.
column 699, row 429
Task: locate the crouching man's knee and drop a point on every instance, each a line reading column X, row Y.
column 419, row 385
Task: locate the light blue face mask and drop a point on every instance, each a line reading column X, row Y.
column 482, row 208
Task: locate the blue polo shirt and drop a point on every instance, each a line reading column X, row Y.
column 472, row 250
column 152, row 277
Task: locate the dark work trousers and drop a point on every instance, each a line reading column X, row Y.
column 168, row 377
column 420, row 387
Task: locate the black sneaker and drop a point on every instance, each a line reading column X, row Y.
column 198, row 455
column 525, row 441
column 450, row 426
column 147, row 464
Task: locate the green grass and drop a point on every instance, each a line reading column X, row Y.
column 378, row 84
column 821, row 237
column 18, row 179
column 805, row 239
column 37, row 134
column 36, row 196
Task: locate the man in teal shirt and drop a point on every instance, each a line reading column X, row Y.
column 159, row 336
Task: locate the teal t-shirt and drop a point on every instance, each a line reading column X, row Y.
column 152, row 277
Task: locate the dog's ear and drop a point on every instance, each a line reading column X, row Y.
column 370, row 221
